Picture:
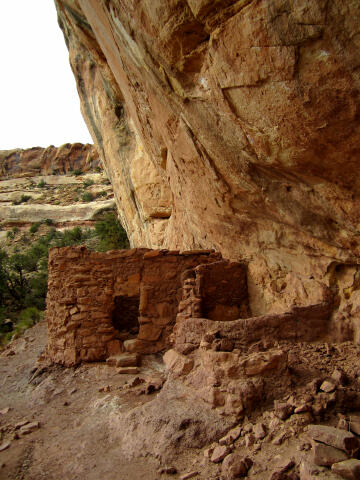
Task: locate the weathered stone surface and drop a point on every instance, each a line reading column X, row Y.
column 283, row 410
column 231, row 436
column 125, row 360
column 235, row 466
column 177, row 363
column 327, row 386
column 29, row 428
column 260, row 363
column 259, row 431
column 309, row 471
column 326, row 455
column 48, row 161
column 334, row 437
column 188, row 475
column 128, row 370
column 4, row 446
column 219, row 453
column 349, row 469
column 238, row 135
column 355, row 424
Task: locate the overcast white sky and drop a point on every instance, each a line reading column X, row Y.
column 39, row 105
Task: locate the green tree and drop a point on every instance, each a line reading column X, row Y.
column 111, row 233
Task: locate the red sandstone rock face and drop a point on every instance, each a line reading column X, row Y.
column 48, row 161
column 234, row 126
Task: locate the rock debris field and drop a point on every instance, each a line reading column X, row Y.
column 93, row 421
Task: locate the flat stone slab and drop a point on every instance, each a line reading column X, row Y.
column 334, row 437
column 325, row 455
column 349, row 469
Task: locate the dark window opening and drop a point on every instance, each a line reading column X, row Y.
column 125, row 314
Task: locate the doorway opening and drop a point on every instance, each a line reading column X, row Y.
column 125, row 314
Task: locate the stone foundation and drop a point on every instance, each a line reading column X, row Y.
column 100, row 304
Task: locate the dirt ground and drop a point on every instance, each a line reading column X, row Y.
column 73, row 440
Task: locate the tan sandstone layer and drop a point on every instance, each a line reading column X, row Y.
column 231, row 125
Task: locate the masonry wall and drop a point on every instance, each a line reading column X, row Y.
column 86, row 287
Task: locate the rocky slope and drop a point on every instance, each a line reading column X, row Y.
column 231, row 125
column 112, row 425
column 64, row 185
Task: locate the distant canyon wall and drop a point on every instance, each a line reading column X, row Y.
column 52, row 160
column 232, row 125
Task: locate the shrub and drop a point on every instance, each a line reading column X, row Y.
column 23, row 199
column 42, row 183
column 48, row 221
column 111, row 233
column 88, row 182
column 87, row 197
column 77, row 172
column 27, row 318
column 97, row 169
column 102, row 194
column 35, row 227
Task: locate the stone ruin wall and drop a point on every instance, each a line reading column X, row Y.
column 96, row 300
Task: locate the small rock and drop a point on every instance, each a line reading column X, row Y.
column 167, row 470
column 327, row 386
column 280, row 473
column 153, row 383
column 248, row 428
column 259, row 431
column 189, row 475
column 128, row 360
column 313, row 386
column 325, row 456
column 302, row 408
column 135, row 382
column 257, row 447
column 249, row 440
column 278, row 440
column 355, row 424
column 235, row 466
column 128, row 370
column 285, row 466
column 305, row 447
column 21, row 424
column 209, row 451
column 339, row 377
column 309, row 471
column 66, row 404
column 274, row 424
column 231, row 436
column 343, row 424
column 283, row 410
column 4, row 446
column 106, row 388
column 219, row 453
column 29, row 428
column 4, row 411
column 72, row 391
column 349, row 469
